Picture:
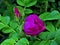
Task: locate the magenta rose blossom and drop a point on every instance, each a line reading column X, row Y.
column 16, row 12
column 33, row 25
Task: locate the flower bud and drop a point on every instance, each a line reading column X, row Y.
column 16, row 12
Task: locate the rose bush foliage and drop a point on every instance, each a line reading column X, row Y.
column 29, row 22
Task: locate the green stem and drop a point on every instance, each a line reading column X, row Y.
column 23, row 14
column 2, row 35
column 46, row 5
column 58, row 23
column 34, row 38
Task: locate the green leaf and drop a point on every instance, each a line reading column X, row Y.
column 27, row 3
column 50, row 27
column 51, row 35
column 2, row 25
column 54, row 15
column 36, row 43
column 55, row 12
column 53, row 42
column 7, row 30
column 20, row 2
column 19, row 30
column 13, row 24
column 14, row 35
column 57, row 24
column 47, row 35
column 57, row 33
column 8, row 42
column 32, row 2
column 44, row 35
column 20, row 9
column 9, row 12
column 44, row 15
column 5, row 19
column 57, row 36
column 47, row 42
column 28, row 11
column 22, row 41
column 20, row 27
